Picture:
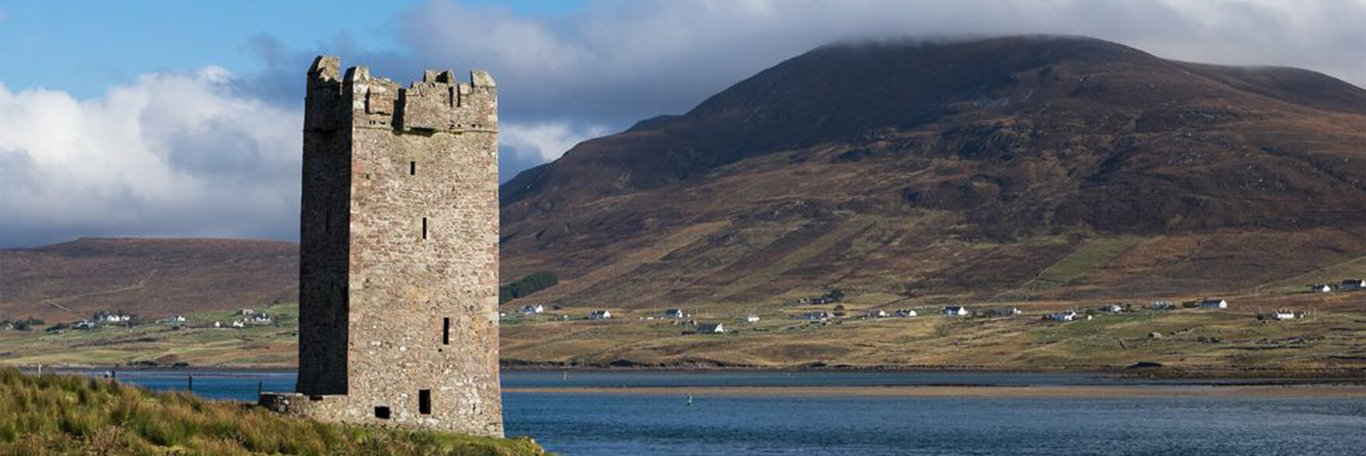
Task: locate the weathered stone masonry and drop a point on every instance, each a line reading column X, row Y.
column 398, row 272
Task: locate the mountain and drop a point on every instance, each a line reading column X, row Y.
column 153, row 278
column 1009, row 169
column 1016, row 168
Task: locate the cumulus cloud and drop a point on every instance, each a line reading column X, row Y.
column 526, row 145
column 171, row 154
column 546, row 141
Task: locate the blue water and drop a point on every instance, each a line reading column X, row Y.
column 639, row 424
column 573, row 379
column 644, row 424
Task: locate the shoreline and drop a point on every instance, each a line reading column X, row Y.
column 55, row 368
column 1347, row 375
column 1034, row 391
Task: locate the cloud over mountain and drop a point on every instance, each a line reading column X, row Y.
column 617, row 61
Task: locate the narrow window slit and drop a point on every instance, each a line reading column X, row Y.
column 424, row 402
column 382, row 412
column 424, row 227
column 446, row 331
column 412, row 168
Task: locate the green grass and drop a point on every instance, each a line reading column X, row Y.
column 76, row 415
column 1075, row 265
column 1086, row 258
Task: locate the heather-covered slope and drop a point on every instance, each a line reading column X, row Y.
column 958, row 171
column 153, row 278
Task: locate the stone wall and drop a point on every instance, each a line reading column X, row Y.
column 421, row 247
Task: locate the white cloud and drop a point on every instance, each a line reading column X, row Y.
column 546, row 141
column 618, row 61
column 169, row 154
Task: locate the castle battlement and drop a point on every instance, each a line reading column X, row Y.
column 437, row 103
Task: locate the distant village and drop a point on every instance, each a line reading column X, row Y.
column 242, row 318
column 690, row 324
column 838, row 312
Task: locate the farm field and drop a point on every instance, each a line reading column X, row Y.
column 1327, row 339
column 1325, row 342
column 197, row 343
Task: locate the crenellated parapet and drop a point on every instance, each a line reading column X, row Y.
column 437, row 103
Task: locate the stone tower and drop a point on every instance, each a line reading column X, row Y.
column 398, row 295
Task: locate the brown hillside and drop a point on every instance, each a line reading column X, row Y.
column 1002, row 169
column 149, row 277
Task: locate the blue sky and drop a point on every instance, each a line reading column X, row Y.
column 182, row 118
column 84, row 46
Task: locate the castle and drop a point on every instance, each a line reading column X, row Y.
column 398, row 270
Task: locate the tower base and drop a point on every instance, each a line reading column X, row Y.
column 341, row 409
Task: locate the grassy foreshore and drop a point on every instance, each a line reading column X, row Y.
column 56, row 414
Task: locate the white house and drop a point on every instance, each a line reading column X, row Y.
column 238, row 324
column 1162, row 305
column 113, row 317
column 530, row 309
column 599, row 315
column 876, row 313
column 1283, row 315
column 1114, row 308
column 905, row 313
column 1353, row 284
column 178, row 318
column 84, row 324
column 1320, row 288
column 1063, row 316
column 246, row 312
column 711, row 328
column 217, row 324
column 1214, row 304
column 814, row 316
column 675, row 314
column 751, row 318
column 955, row 311
column 258, row 319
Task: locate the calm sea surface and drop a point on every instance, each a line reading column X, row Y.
column 641, row 424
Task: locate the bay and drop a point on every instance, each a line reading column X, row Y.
column 595, row 422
